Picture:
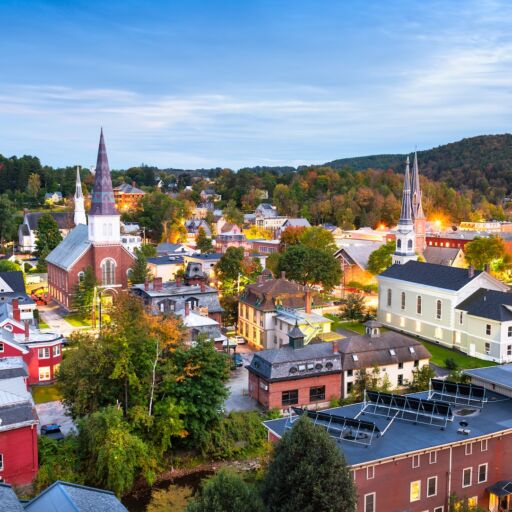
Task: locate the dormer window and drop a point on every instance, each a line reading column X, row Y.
column 392, row 352
column 411, row 350
column 355, row 357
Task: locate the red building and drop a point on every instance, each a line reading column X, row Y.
column 18, row 429
column 96, row 245
column 453, row 440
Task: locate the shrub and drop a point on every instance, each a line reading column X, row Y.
column 450, row 363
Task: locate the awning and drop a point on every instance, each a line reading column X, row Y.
column 501, row 488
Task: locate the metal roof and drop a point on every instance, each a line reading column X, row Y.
column 71, row 248
column 499, row 375
column 8, row 500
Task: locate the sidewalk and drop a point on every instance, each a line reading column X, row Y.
column 53, row 315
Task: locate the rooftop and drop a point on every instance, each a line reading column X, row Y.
column 500, row 375
column 490, row 304
column 441, row 255
column 65, row 220
column 9, row 500
column 71, row 248
column 166, row 260
column 430, row 274
column 403, row 437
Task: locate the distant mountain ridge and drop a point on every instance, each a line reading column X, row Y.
column 482, row 163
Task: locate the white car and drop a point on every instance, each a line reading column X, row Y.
column 240, row 340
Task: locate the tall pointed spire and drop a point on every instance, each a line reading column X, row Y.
column 417, row 207
column 79, row 216
column 406, row 211
column 103, row 202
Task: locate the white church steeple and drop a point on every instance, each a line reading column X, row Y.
column 405, row 237
column 80, row 217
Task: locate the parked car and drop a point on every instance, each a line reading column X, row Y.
column 52, row 431
column 238, row 361
column 240, row 340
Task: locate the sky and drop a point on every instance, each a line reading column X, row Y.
column 234, row 83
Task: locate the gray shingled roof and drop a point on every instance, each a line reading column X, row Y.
column 11, row 367
column 125, row 188
column 65, row 220
column 8, row 500
column 489, row 304
column 438, row 276
column 358, row 251
column 440, row 255
column 66, row 497
column 16, row 414
column 71, row 248
column 283, row 363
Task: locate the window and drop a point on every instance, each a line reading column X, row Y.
column 510, row 331
column 108, row 272
column 1, row 461
column 302, row 367
column 418, row 305
column 310, row 366
column 439, row 509
column 1, row 347
column 44, row 353
column 432, row 458
column 316, row 394
column 488, row 329
column 370, row 472
column 392, row 352
column 44, row 373
column 369, row 502
column 415, row 491
column 483, row 445
column 350, row 373
column 431, row 486
column 400, row 366
column 487, row 348
column 400, row 380
column 461, row 316
column 482, row 473
column 468, row 449
column 290, row 397
column 350, row 386
column 416, row 364
column 467, row 477
column 415, row 461
column 509, row 350
column 389, row 296
column 354, row 357
column 403, row 300
column 56, row 350
column 439, row 309
column 399, row 243
column 473, row 501
column 80, row 276
column 409, row 245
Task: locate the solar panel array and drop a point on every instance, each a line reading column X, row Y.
column 408, row 408
column 339, row 427
column 458, row 393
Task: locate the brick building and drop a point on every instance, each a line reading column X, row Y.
column 97, row 245
column 452, row 440
column 128, row 197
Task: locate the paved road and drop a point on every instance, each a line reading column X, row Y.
column 238, row 386
column 54, row 412
column 53, row 315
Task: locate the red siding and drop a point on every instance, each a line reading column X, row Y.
column 19, row 450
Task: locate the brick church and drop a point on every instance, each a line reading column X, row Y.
column 96, row 244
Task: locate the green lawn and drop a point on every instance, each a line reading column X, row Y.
column 76, row 320
column 440, row 354
column 43, row 394
column 43, row 325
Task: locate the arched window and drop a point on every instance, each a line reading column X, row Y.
column 399, row 244
column 403, row 300
column 80, row 276
column 418, row 305
column 409, row 245
column 108, row 271
column 389, row 296
column 438, row 309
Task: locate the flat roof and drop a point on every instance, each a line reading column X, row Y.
column 403, row 437
column 499, row 375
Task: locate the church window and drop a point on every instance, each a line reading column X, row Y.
column 439, row 310
column 389, row 297
column 80, row 277
column 399, row 244
column 108, row 272
column 403, row 300
column 418, row 305
column 409, row 245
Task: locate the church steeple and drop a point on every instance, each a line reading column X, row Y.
column 405, row 238
column 420, row 223
column 79, row 217
column 104, row 219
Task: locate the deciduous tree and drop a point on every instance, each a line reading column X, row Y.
column 139, row 270
column 381, row 258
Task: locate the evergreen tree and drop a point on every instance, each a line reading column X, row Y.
column 8, row 220
column 226, row 492
column 308, row 472
column 83, row 295
column 203, row 242
column 48, row 237
column 354, row 308
column 139, row 271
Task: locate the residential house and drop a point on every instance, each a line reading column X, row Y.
column 292, row 223
column 128, row 197
column 209, row 195
column 167, row 249
column 450, row 256
column 197, row 323
column 27, row 231
column 53, row 197
column 262, row 246
column 165, row 267
column 12, row 290
column 206, row 261
column 353, row 256
column 265, row 210
column 193, row 226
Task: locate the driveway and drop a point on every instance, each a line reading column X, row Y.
column 54, row 412
column 53, row 315
column 238, row 399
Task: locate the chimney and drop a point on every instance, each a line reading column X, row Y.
column 283, row 274
column 16, row 310
column 487, row 267
column 308, row 300
column 157, row 283
column 178, row 281
column 146, row 284
column 260, row 279
column 187, row 308
column 202, row 286
column 471, row 271
column 27, row 330
column 134, row 185
column 335, row 347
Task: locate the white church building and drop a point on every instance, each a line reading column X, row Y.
column 455, row 307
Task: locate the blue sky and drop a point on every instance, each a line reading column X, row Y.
column 194, row 83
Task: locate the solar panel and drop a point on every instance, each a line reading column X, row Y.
column 339, row 427
column 408, row 408
column 458, row 393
